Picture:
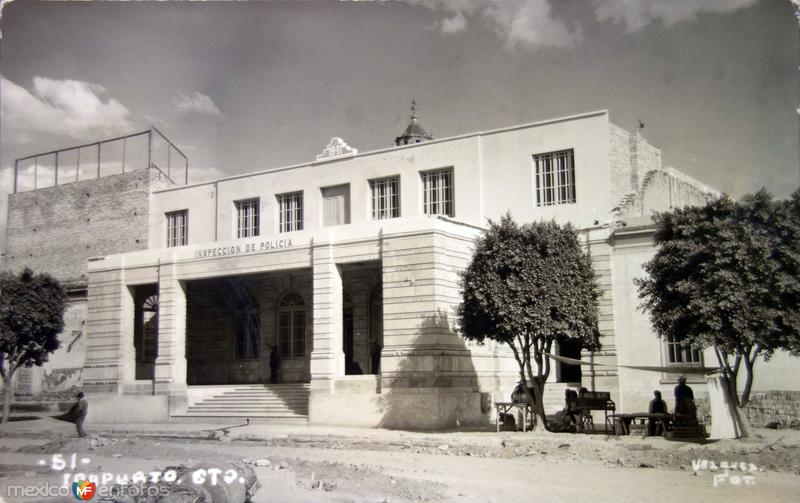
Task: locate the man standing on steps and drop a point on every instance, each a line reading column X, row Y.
column 274, row 364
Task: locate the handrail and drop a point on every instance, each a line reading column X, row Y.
column 98, row 144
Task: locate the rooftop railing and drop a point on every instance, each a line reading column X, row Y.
column 136, row 151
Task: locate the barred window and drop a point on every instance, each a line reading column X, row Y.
column 247, row 218
column 437, row 192
column 385, row 198
column 555, row 178
column 177, row 228
column 683, row 355
column 290, row 212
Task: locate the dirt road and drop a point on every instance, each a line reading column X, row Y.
column 302, row 464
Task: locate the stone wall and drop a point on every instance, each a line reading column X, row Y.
column 619, row 158
column 764, row 408
column 631, row 156
column 57, row 229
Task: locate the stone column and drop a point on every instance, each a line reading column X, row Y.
column 327, row 358
column 170, row 368
column 128, row 351
column 103, row 370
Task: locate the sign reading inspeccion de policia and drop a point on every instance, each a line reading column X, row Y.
column 229, row 250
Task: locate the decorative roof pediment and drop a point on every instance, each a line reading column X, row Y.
column 336, row 148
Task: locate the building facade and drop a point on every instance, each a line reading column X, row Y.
column 349, row 268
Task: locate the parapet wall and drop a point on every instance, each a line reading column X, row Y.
column 765, row 407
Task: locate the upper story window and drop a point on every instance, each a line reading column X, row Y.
column 682, row 355
column 437, row 192
column 336, row 205
column 177, row 228
column 385, row 197
column 555, row 178
column 290, row 212
column 247, row 218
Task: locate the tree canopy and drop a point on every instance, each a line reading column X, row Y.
column 727, row 275
column 31, row 317
column 529, row 286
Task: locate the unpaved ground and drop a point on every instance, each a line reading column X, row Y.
column 302, row 464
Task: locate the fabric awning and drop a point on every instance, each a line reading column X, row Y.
column 672, row 369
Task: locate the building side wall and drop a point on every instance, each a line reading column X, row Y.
column 604, row 378
column 212, row 210
column 57, row 229
column 484, row 166
column 662, row 190
column 508, row 174
column 637, row 343
column 623, row 176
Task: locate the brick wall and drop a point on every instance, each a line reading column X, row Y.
column 57, row 229
column 620, row 161
column 631, row 157
column 764, row 407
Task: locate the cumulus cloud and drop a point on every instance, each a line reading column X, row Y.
column 636, row 15
column 69, row 108
column 526, row 24
column 198, row 103
column 454, row 24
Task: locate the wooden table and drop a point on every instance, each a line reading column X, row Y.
column 505, row 407
column 622, row 422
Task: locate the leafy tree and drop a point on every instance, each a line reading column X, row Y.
column 529, row 286
column 31, row 317
column 727, row 276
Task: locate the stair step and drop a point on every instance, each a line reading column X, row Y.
column 244, row 406
column 254, row 400
column 248, row 411
column 243, row 414
column 279, row 402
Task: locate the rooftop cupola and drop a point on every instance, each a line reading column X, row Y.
column 414, row 133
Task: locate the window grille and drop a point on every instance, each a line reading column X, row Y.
column 555, row 178
column 385, row 198
column 177, row 228
column 437, row 191
column 247, row 218
column 290, row 212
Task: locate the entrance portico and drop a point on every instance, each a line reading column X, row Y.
column 366, row 319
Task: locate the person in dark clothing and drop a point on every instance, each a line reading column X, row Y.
column 375, row 356
column 79, row 411
column 685, row 409
column 274, row 364
column 657, row 406
column 571, row 405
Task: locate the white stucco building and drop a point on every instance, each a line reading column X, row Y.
column 350, row 264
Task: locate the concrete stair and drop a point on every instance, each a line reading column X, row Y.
column 280, row 403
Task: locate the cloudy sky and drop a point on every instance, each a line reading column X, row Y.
column 251, row 85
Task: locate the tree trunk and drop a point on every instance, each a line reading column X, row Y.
column 739, row 415
column 538, row 388
column 8, row 389
column 538, row 406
